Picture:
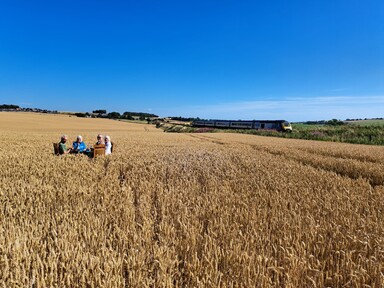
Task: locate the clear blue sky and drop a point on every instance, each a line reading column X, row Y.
column 295, row 60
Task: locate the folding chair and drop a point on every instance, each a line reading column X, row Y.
column 56, row 148
column 98, row 150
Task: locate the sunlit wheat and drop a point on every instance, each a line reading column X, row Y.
column 186, row 210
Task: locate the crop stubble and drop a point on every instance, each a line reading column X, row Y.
column 186, row 210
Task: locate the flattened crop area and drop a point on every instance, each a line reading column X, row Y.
column 186, row 210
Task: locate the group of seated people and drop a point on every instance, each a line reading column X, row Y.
column 79, row 146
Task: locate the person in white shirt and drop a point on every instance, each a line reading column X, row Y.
column 108, row 145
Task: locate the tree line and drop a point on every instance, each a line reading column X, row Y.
column 101, row 113
column 9, row 106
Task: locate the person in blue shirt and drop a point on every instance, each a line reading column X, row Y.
column 78, row 146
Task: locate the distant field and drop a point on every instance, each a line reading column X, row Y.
column 186, row 210
column 368, row 122
column 357, row 123
column 134, row 121
column 368, row 133
column 352, row 133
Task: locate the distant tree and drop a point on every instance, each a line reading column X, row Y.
column 186, row 119
column 321, row 122
column 80, row 114
column 100, row 111
column 9, row 106
column 138, row 114
column 127, row 115
column 114, row 115
column 335, row 122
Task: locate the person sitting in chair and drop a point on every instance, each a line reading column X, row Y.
column 100, row 140
column 78, row 146
column 62, row 146
column 108, row 145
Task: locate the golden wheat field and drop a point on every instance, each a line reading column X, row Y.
column 186, row 210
